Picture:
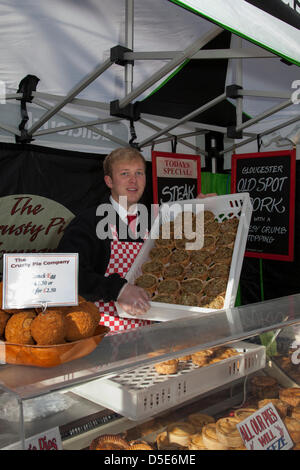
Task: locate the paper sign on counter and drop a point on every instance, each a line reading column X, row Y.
column 34, row 280
column 264, row 430
column 48, row 440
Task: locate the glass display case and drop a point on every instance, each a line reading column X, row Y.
column 116, row 387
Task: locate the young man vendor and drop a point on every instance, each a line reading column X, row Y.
column 105, row 258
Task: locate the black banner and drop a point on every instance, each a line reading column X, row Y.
column 285, row 10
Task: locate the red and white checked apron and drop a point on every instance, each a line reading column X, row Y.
column 122, row 257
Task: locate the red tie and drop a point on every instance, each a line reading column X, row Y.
column 132, row 222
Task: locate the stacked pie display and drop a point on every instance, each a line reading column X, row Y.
column 50, row 327
column 199, row 275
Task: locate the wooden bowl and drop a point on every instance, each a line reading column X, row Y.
column 53, row 355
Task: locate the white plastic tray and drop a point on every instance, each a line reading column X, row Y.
column 228, row 206
column 142, row 393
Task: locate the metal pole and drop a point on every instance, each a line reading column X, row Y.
column 129, row 32
column 188, row 117
column 83, row 124
column 239, row 81
column 75, row 91
column 264, row 115
column 181, row 57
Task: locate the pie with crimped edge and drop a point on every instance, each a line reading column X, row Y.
column 219, row 270
column 109, row 442
column 164, row 298
column 152, row 267
column 196, row 271
column 229, row 225
column 189, row 299
column 210, row 440
column 180, row 256
column 164, row 243
column 281, row 406
column 293, row 427
column 200, row 257
column 173, row 271
column 180, row 433
column 197, row 443
column 227, row 239
column 168, row 286
column 167, row 367
column 192, row 286
column 227, row 432
column 162, row 254
column 148, row 282
column 140, row 445
column 212, row 228
column 290, row 395
column 199, row 420
column 243, row 413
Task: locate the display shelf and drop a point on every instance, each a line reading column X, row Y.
column 132, row 349
column 142, row 392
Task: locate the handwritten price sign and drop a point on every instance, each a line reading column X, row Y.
column 264, row 430
column 40, row 279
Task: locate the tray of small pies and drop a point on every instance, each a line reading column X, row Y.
column 49, row 338
column 149, row 390
column 202, row 431
column 182, row 277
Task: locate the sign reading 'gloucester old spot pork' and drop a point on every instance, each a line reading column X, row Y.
column 176, row 177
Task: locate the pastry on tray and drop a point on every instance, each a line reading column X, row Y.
column 18, row 327
column 227, row 432
column 140, row 445
column 200, row 257
column 192, row 286
column 180, row 256
column 148, row 282
column 215, row 287
column 208, row 216
column 167, row 367
column 161, row 254
column 212, row 228
column 290, row 395
column 49, row 327
column 164, row 298
column 198, row 420
column 196, row 443
column 210, row 439
column 79, row 323
column 293, row 427
column 219, row 270
column 180, row 433
column 243, row 413
column 199, row 271
column 264, row 387
column 109, row 442
column 168, row 286
column 164, row 243
column 187, row 299
column 281, row 407
column 229, row 225
column 173, row 271
column 3, row 321
column 227, row 239
column 152, row 267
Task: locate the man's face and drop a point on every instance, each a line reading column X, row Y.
column 128, row 179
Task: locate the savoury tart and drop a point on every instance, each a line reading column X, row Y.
column 109, row 442
column 227, row 432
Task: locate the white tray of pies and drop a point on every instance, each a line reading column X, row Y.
column 183, row 279
column 149, row 390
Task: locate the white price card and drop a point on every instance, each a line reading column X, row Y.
column 40, row 280
column 264, row 430
column 48, row 440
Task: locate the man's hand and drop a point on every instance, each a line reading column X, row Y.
column 133, row 300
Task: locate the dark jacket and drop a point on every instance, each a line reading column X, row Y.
column 81, row 237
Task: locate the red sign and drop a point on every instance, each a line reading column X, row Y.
column 176, row 177
column 269, row 178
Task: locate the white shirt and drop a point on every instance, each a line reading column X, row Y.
column 122, row 211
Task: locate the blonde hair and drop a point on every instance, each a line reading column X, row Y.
column 122, row 153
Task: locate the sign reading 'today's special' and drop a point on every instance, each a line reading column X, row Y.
column 176, row 177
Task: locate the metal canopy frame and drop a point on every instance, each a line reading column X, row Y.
column 175, row 59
